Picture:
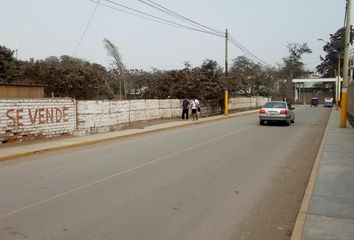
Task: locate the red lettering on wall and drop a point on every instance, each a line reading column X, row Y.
column 41, row 116
column 37, row 116
column 32, row 118
column 8, row 114
column 15, row 115
column 49, row 115
column 58, row 115
column 19, row 117
column 65, row 114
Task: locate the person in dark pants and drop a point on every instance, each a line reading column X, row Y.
column 185, row 108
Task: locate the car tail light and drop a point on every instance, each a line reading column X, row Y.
column 283, row 111
column 262, row 111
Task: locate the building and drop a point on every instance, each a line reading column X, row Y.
column 11, row 90
column 305, row 89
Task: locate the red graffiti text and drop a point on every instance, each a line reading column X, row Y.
column 37, row 116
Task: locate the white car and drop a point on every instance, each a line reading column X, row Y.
column 328, row 102
column 277, row 111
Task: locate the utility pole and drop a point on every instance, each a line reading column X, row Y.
column 226, row 49
column 344, row 99
column 226, row 110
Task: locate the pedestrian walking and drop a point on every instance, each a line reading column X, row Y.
column 185, row 108
column 195, row 108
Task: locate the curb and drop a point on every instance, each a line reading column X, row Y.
column 305, row 204
column 91, row 142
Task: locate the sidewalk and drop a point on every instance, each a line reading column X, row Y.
column 22, row 150
column 327, row 210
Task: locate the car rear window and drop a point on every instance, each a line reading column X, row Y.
column 274, row 105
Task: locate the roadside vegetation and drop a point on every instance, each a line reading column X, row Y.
column 66, row 76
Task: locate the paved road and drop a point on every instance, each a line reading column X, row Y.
column 196, row 182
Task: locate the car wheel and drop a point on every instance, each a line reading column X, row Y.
column 261, row 122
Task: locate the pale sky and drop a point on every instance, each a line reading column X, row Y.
column 43, row 28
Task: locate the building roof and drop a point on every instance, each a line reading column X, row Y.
column 21, row 84
column 297, row 80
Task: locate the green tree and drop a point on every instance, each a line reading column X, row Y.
column 68, row 77
column 268, row 82
column 334, row 50
column 213, row 85
column 202, row 82
column 293, row 67
column 245, row 75
column 8, row 65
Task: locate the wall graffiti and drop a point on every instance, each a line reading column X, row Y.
column 29, row 119
column 37, row 116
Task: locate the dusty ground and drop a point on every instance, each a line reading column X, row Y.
column 143, row 124
column 274, row 216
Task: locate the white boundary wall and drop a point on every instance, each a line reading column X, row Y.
column 27, row 119
column 22, row 119
column 105, row 116
column 247, row 102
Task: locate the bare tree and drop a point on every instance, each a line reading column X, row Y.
column 120, row 69
column 292, row 66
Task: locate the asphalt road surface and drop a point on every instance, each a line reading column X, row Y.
column 229, row 179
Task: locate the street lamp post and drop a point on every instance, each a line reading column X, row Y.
column 226, row 93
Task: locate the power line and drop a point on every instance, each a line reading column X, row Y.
column 136, row 15
column 162, row 10
column 197, row 26
column 178, row 16
column 87, row 26
column 158, row 18
column 246, row 51
column 190, row 21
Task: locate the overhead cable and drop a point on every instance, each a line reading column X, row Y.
column 171, row 23
column 196, row 26
column 87, row 26
column 190, row 21
column 177, row 15
column 246, row 51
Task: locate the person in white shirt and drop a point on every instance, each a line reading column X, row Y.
column 195, row 107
